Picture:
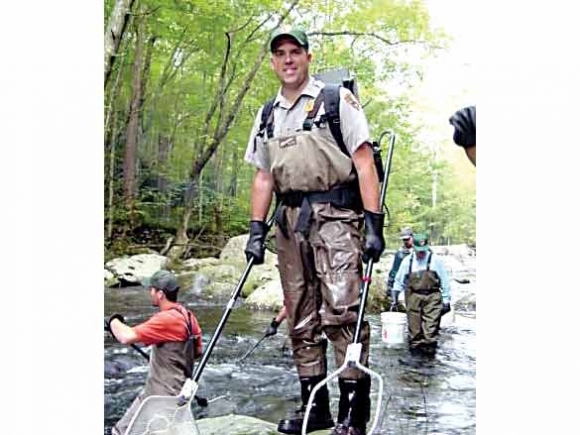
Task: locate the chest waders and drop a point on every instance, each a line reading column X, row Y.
column 343, row 195
column 171, row 415
column 424, row 304
column 354, row 350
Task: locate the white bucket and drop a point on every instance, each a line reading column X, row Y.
column 394, row 330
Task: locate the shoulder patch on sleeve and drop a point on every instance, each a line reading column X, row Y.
column 350, row 99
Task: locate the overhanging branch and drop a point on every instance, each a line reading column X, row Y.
column 370, row 34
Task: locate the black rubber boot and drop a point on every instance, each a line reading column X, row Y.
column 429, row 350
column 319, row 417
column 354, row 406
column 415, row 358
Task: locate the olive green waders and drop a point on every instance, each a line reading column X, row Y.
column 424, row 304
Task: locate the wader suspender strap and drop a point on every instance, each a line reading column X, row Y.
column 188, row 323
column 339, row 196
column 428, row 264
column 411, row 262
column 330, row 95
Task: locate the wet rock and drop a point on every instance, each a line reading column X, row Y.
column 268, row 296
column 118, row 367
column 110, row 279
column 200, row 282
column 195, row 264
column 131, row 270
column 466, row 303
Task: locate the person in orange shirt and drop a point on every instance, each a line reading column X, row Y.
column 175, row 337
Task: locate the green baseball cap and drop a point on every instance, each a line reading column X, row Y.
column 162, row 280
column 420, row 243
column 296, row 33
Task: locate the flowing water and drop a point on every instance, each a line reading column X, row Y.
column 435, row 398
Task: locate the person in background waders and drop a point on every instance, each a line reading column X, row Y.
column 176, row 338
column 325, row 195
column 402, row 252
column 424, row 279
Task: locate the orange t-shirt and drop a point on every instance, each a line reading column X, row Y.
column 168, row 325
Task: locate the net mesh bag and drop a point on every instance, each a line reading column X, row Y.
column 163, row 415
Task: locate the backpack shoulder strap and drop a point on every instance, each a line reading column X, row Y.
column 266, row 121
column 331, row 94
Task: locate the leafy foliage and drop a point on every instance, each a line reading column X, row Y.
column 184, row 82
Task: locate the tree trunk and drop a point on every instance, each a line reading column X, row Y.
column 130, row 159
column 146, row 73
column 180, row 242
column 111, row 134
column 114, row 33
column 114, row 94
column 111, row 192
column 163, row 150
column 233, row 187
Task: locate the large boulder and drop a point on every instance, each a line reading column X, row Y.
column 266, row 297
column 194, row 264
column 216, row 278
column 131, row 270
column 110, row 279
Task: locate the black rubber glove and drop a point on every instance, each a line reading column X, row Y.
column 464, row 122
column 115, row 316
column 374, row 241
column 446, row 309
column 108, row 323
column 256, row 243
column 272, row 329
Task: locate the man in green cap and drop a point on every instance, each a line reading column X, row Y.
column 325, row 195
column 175, row 336
column 424, row 279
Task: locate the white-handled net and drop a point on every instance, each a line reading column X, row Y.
column 163, row 415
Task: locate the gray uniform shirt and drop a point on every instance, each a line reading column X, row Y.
column 288, row 119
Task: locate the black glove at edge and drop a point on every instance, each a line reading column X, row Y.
column 108, row 322
column 374, row 241
column 256, row 242
column 464, row 122
column 272, row 329
column 446, row 308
